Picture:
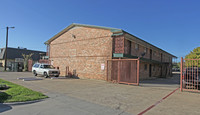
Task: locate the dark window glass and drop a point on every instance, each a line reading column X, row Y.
column 145, row 67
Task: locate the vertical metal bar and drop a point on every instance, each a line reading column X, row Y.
column 138, row 70
column 196, row 77
column 118, row 77
column 181, row 73
column 192, row 74
column 111, row 70
column 197, row 74
column 186, row 73
column 187, row 81
column 121, row 68
column 107, row 71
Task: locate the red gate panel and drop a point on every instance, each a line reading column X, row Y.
column 123, row 71
column 190, row 75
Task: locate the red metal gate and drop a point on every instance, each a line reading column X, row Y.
column 123, row 71
column 190, row 75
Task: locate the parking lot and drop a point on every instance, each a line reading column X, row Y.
column 118, row 98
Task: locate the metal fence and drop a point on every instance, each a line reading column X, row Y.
column 123, row 71
column 190, row 75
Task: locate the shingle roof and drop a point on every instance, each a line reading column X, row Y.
column 13, row 53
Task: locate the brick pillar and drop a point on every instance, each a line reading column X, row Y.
column 30, row 64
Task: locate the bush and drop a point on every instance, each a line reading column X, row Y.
column 3, row 87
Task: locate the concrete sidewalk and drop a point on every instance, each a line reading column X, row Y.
column 60, row 105
column 107, row 98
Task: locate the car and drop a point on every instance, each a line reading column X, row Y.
column 191, row 77
column 46, row 70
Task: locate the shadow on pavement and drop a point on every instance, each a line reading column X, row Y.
column 170, row 81
column 4, row 107
column 4, row 96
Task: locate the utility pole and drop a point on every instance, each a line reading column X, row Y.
column 5, row 65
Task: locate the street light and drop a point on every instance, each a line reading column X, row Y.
column 6, row 47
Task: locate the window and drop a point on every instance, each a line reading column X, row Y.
column 145, row 50
column 154, row 68
column 154, row 53
column 145, row 67
column 137, row 46
column 36, row 65
column 48, row 66
column 129, row 50
column 42, row 66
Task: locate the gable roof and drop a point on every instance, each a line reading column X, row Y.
column 115, row 32
column 13, row 53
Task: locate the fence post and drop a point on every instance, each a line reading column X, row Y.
column 107, row 71
column 30, row 64
column 181, row 74
column 138, row 71
column 118, row 77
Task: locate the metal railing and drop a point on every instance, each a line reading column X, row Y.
column 190, row 75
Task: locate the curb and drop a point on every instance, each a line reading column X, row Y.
column 22, row 103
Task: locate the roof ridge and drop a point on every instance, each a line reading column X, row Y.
column 81, row 25
column 95, row 26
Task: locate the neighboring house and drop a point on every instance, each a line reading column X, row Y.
column 15, row 55
column 85, row 49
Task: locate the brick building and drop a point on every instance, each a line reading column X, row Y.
column 85, row 49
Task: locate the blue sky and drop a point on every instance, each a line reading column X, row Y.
column 172, row 25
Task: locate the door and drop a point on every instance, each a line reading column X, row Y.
column 149, row 70
column 150, row 54
column 40, row 69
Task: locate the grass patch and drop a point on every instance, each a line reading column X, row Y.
column 17, row 93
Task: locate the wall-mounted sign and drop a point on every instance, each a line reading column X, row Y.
column 19, row 60
column 102, row 66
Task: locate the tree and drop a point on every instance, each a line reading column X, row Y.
column 195, row 54
column 26, row 58
column 176, row 65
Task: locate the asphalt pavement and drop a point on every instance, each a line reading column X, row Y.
column 97, row 97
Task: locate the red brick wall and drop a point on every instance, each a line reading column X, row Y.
column 85, row 53
column 134, row 51
column 144, row 74
column 85, row 49
column 30, row 64
column 118, row 44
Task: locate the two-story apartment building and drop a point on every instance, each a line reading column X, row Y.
column 84, row 50
column 154, row 61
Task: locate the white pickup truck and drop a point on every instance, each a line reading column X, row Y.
column 45, row 69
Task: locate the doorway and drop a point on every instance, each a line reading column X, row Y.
column 149, row 70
